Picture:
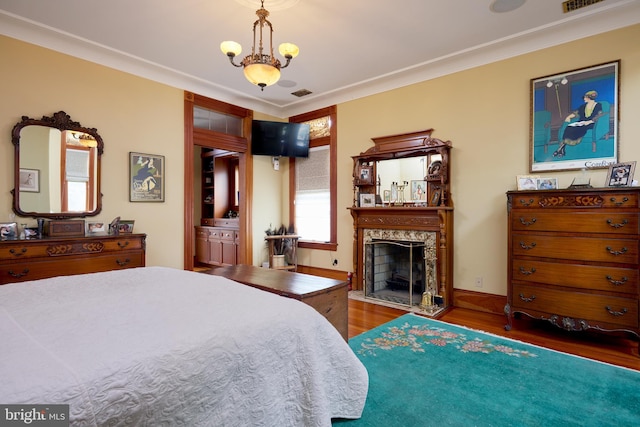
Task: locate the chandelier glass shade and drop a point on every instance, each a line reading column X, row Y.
column 261, row 67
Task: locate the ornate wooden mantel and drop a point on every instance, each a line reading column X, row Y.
column 435, row 215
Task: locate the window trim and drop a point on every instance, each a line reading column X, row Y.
column 331, row 141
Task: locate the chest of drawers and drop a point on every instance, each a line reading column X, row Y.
column 574, row 258
column 22, row 260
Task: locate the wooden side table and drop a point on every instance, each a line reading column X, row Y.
column 271, row 241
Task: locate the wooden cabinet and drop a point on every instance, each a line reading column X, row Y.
column 22, row 260
column 218, row 245
column 574, row 258
column 208, row 187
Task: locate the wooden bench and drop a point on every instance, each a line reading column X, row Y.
column 327, row 296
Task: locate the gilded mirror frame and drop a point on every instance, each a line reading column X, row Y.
column 61, row 121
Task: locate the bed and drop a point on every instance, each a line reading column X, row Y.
column 160, row 346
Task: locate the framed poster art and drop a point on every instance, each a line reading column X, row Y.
column 574, row 119
column 146, row 177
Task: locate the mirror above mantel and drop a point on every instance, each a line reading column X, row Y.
column 415, row 160
column 56, row 168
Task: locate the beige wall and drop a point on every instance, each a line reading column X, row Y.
column 483, row 111
column 130, row 113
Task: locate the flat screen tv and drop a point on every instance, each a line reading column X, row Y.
column 280, row 139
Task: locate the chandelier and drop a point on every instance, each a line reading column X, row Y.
column 260, row 68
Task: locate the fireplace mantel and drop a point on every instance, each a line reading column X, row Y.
column 435, row 214
column 438, row 220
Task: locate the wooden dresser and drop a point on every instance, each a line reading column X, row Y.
column 574, row 258
column 22, row 260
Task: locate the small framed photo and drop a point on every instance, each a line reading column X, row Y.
column 435, row 198
column 8, row 230
column 365, row 175
column 386, row 196
column 419, row 191
column 30, row 233
column 367, row 200
column 547, row 183
column 30, row 180
column 527, row 182
column 96, row 227
column 620, row 174
column 146, row 177
column 125, row 226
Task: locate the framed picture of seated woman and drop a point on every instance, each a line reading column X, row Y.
column 574, row 119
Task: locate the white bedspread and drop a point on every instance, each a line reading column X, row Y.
column 158, row 346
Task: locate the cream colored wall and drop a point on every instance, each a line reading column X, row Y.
column 130, row 113
column 268, row 202
column 485, row 113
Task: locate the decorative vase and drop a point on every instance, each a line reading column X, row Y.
column 277, row 261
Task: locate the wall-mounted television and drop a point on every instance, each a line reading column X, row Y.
column 279, row 139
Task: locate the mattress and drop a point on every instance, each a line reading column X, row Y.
column 160, row 346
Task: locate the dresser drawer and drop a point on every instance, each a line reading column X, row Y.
column 122, row 244
column 575, row 248
column 573, row 199
column 228, row 235
column 226, row 222
column 612, row 279
column 592, row 307
column 576, row 222
column 23, row 271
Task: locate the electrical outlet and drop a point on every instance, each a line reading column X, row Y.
column 478, row 282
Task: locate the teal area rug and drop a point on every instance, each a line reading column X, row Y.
column 424, row 372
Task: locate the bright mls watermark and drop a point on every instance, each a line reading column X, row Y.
column 34, row 415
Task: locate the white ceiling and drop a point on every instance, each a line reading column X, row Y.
column 348, row 48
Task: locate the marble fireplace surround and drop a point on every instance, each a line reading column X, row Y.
column 428, row 238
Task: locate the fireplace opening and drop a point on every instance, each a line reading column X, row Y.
column 395, row 271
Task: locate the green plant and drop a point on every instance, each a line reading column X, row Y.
column 281, row 246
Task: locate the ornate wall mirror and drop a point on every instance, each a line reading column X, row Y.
column 57, row 168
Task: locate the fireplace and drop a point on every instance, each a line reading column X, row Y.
column 403, row 247
column 399, row 265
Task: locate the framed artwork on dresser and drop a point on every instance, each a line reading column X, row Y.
column 574, row 119
column 620, row 175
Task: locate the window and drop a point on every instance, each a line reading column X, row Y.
column 313, row 195
column 312, row 191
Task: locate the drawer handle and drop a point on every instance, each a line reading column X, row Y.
column 523, row 298
column 527, row 272
column 19, row 275
column 617, row 282
column 523, row 202
column 16, row 253
column 123, row 244
column 616, row 313
column 123, row 263
column 617, row 225
column 527, row 223
column 524, row 246
column 616, row 253
column 615, row 202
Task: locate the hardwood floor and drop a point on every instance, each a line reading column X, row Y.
column 619, row 350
